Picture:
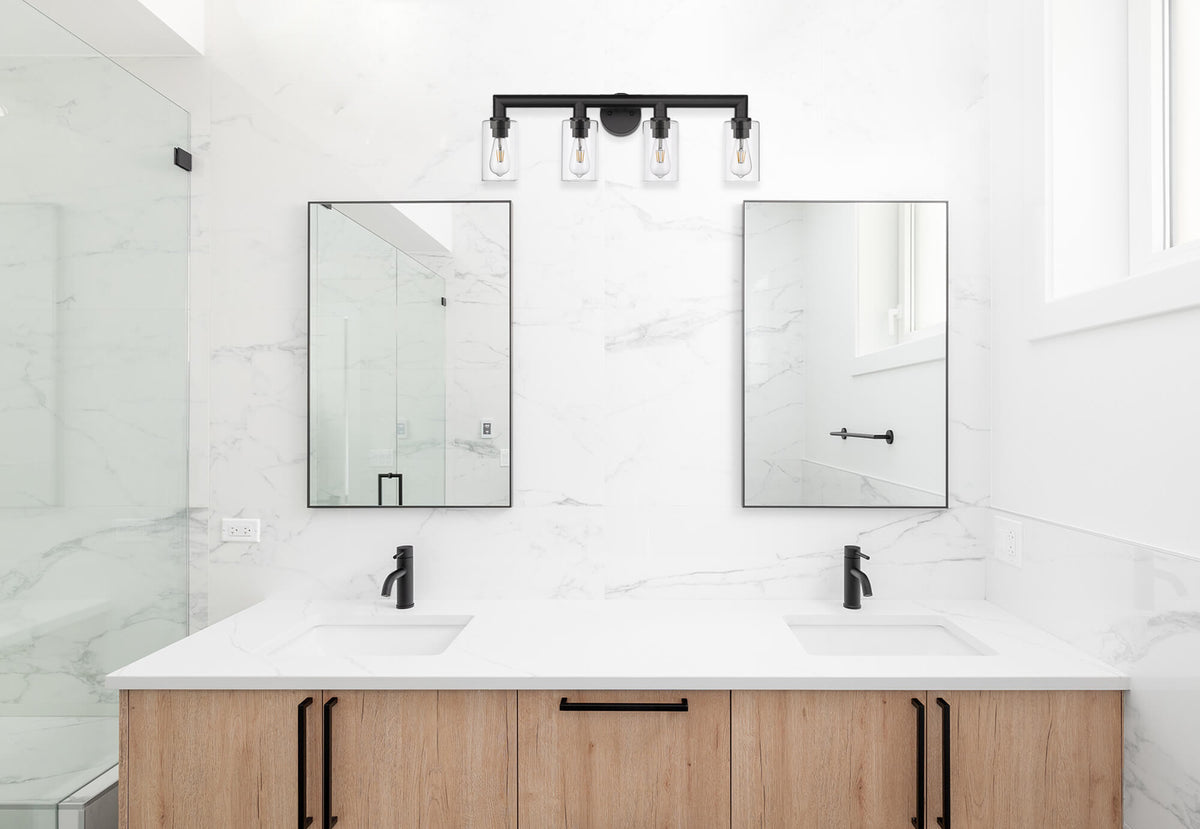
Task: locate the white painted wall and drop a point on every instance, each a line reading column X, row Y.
column 131, row 27
column 1090, row 446
column 1103, row 414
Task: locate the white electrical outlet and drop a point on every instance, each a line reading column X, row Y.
column 240, row 529
column 1008, row 541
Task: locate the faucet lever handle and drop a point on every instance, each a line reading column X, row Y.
column 864, row 555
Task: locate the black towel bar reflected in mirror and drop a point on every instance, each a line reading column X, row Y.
column 889, row 436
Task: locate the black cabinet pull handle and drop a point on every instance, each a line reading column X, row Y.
column 919, row 820
column 944, row 820
column 304, row 820
column 623, row 706
column 327, row 772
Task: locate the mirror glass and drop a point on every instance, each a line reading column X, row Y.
column 408, row 361
column 845, row 354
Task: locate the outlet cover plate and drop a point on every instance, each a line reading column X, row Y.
column 1007, row 541
column 245, row 530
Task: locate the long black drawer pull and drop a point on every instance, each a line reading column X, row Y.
column 327, row 775
column 304, row 820
column 623, row 706
column 944, row 820
column 919, row 820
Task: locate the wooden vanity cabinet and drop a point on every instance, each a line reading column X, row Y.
column 825, row 759
column 219, row 758
column 856, row 759
column 1039, row 759
column 372, row 759
column 623, row 759
column 598, row 759
column 423, row 759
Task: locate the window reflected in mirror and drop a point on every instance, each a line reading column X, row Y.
column 845, row 354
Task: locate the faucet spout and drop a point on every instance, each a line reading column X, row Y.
column 399, row 574
column 863, row 580
column 401, row 578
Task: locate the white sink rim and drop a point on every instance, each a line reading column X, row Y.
column 964, row 643
column 434, row 635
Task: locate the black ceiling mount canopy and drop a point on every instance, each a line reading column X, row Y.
column 620, row 113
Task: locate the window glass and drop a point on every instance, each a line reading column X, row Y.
column 1184, row 67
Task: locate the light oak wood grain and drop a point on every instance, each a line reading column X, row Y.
column 424, row 759
column 650, row 770
column 1033, row 759
column 824, row 759
column 215, row 758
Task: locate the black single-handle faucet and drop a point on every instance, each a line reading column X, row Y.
column 404, row 573
column 857, row 584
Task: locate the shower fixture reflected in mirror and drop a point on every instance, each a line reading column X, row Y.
column 408, row 360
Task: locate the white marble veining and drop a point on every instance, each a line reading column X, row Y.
column 1138, row 609
column 626, row 297
column 93, row 407
column 589, row 644
column 45, row 759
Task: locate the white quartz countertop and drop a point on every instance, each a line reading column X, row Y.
column 638, row 645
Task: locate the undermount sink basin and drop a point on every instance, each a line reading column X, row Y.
column 883, row 636
column 408, row 636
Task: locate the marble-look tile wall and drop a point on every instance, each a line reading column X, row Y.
column 477, row 357
column 29, row 473
column 627, row 295
column 775, row 346
column 1137, row 608
column 93, row 384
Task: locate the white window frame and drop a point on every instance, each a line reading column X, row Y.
column 913, row 347
column 1161, row 279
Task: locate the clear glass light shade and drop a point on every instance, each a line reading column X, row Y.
column 499, row 153
column 742, row 160
column 661, row 154
column 579, row 154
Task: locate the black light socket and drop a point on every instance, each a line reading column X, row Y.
column 579, row 127
column 741, row 127
column 499, row 127
column 660, row 123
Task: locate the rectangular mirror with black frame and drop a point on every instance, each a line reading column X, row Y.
column 844, row 354
column 409, row 354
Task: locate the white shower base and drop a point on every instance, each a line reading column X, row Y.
column 44, row 760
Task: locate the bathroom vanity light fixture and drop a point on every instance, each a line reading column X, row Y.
column 620, row 115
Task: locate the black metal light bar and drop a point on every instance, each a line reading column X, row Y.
column 620, row 114
column 740, row 104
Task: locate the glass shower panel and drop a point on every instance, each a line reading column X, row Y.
column 420, row 349
column 353, row 386
column 377, row 401
column 93, row 401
